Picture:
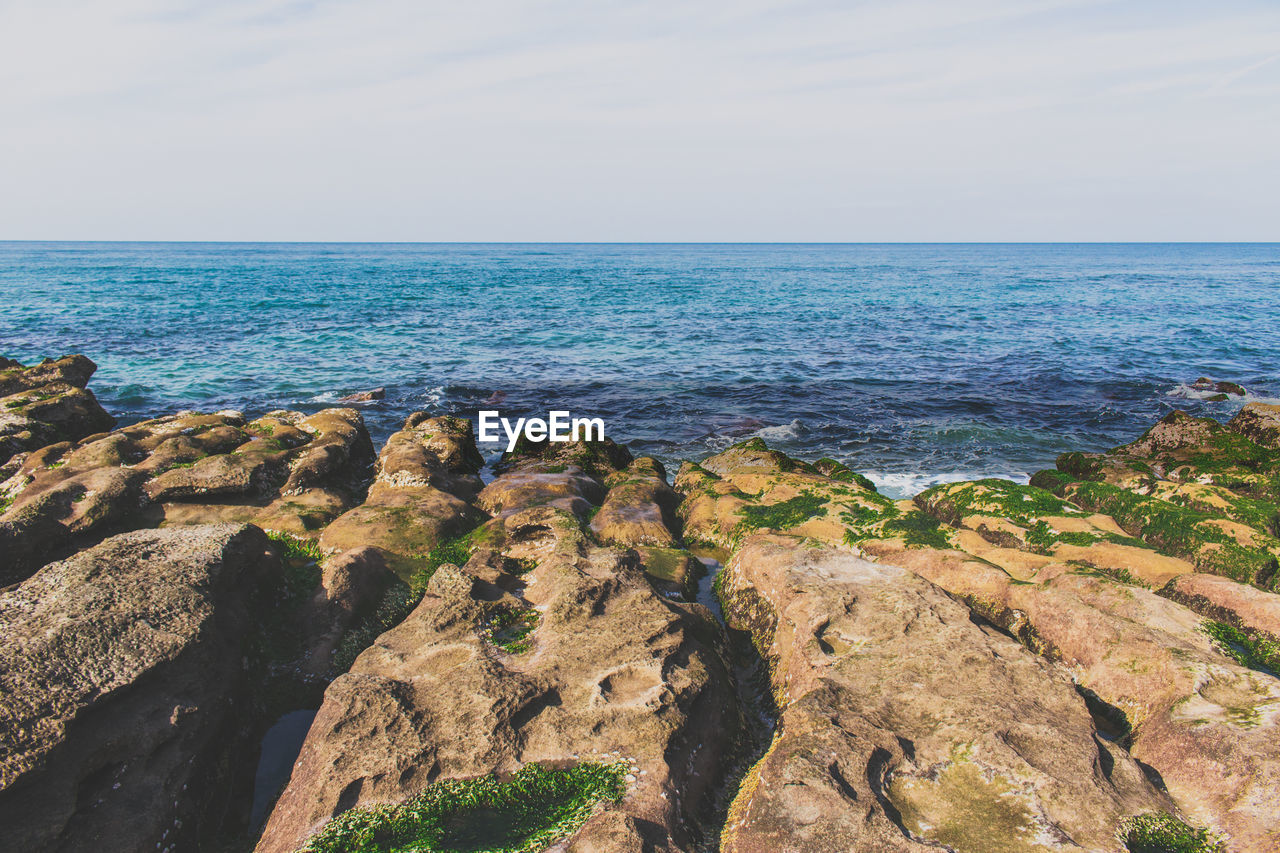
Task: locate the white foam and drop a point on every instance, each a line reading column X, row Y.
column 907, row 484
column 1189, row 392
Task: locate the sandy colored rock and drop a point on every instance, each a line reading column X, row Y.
column 598, row 459
column 285, row 471
column 640, row 508
column 413, row 504
column 611, row 671
column 905, row 725
column 570, row 488
column 1207, row 726
column 1225, row 600
column 351, row 584
column 439, row 452
column 121, row 672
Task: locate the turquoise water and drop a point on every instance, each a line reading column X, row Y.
column 912, row 363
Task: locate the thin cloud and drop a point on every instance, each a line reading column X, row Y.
column 569, row 119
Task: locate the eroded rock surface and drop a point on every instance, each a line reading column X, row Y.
column 544, row 647
column 121, row 675
column 284, row 471
column 1074, row 585
column 905, row 725
column 424, row 478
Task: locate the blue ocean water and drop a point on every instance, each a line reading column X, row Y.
column 911, row 363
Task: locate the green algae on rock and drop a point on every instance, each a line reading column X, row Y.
column 526, row 813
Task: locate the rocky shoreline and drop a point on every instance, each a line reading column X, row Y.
column 1088, row 662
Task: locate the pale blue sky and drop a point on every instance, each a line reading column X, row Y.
column 597, row 120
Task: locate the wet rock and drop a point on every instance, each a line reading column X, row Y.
column 364, row 396
column 882, row 747
column 121, row 669
column 1218, row 387
column 599, row 667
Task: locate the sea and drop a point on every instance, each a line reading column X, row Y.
column 914, row 364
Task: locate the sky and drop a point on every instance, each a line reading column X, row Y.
column 603, row 120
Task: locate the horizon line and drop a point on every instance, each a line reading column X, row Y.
column 7, row 241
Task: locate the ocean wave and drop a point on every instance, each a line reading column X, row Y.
column 771, row 433
column 908, row 484
column 1191, row 392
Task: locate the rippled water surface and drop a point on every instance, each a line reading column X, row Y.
column 912, row 363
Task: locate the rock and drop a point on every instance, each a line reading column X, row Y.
column 72, row 370
column 1190, row 488
column 570, row 488
column 364, row 396
column 239, row 473
column 1207, row 726
column 1065, row 579
column 84, row 503
column 640, row 508
column 121, row 669
column 351, row 584
column 439, row 452
column 610, row 670
column 999, row 521
column 882, row 747
column 285, row 471
column 1225, row 600
column 47, row 403
column 1259, row 422
column 414, row 504
column 1227, row 389
column 597, row 458
column 750, row 488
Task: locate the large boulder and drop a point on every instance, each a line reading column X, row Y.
column 906, row 726
column 1205, row 724
column 122, row 674
column 1076, row 585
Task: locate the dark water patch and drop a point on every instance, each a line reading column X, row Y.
column 280, row 748
column 754, row 698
